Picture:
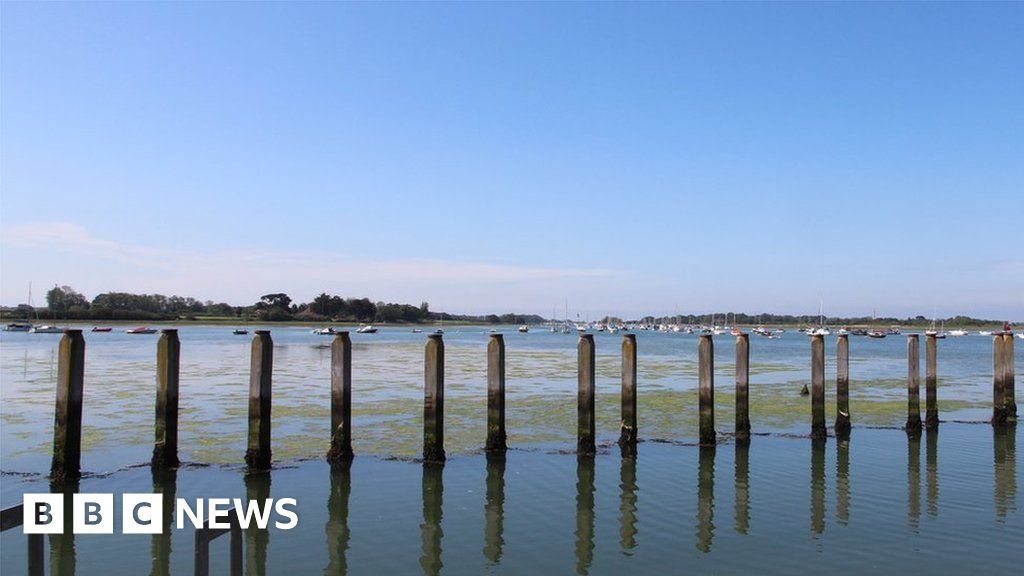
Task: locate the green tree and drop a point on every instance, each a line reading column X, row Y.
column 60, row 298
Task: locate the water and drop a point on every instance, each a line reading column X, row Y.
column 945, row 502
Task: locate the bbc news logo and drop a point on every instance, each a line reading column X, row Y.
column 142, row 513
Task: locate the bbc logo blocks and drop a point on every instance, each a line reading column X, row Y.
column 92, row 513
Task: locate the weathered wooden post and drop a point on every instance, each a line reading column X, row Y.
column 998, row 384
column 433, row 401
column 67, row 424
column 913, row 383
column 1009, row 376
column 261, row 368
column 497, row 440
column 341, row 398
column 628, row 435
column 743, row 387
column 168, row 356
column 818, row 429
column 706, row 389
column 842, row 425
column 931, row 381
column 585, row 429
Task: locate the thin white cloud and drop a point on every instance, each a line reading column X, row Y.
column 206, row 273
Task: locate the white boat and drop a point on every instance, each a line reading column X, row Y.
column 984, row 332
column 1020, row 335
column 368, row 329
column 822, row 331
column 18, row 327
column 46, row 329
column 524, row 328
column 958, row 332
column 140, row 330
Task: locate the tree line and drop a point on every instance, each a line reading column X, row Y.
column 66, row 303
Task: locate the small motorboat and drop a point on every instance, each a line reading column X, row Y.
column 46, row 329
column 240, row 331
column 18, row 327
column 101, row 329
column 417, row 330
column 1020, row 335
column 438, row 331
column 876, row 334
column 368, row 329
column 329, row 331
column 958, row 332
column 141, row 330
column 984, row 332
column 524, row 328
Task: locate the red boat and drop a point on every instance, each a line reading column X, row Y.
column 101, row 328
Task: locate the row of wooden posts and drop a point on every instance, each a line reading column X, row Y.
column 71, row 369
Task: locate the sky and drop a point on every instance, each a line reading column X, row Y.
column 625, row 159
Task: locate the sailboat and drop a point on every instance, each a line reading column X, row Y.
column 821, row 330
column 25, row 326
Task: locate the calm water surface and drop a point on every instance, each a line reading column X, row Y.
column 942, row 502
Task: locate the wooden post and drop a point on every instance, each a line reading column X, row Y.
column 628, row 435
column 433, row 401
column 168, row 356
column 998, row 398
column 1009, row 375
column 585, row 429
column 842, row 425
column 67, row 425
column 931, row 394
column 497, row 439
column 261, row 368
column 341, row 398
column 913, row 383
column 706, row 389
column 743, row 387
column 818, row 429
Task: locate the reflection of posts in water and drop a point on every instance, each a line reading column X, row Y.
column 818, row 429
column 998, row 397
column 1005, row 464
column 433, row 401
column 706, row 389
column 337, row 517
column 742, row 386
column 496, row 437
column 931, row 468
column 914, row 479
column 165, row 482
column 584, row 513
column 842, row 424
column 257, row 487
column 843, row 481
column 168, row 355
column 62, row 546
column 913, row 383
column 585, row 374
column 628, row 433
column 931, row 394
column 706, row 498
column 341, row 398
column 494, row 508
column 1009, row 377
column 431, row 532
column 742, row 486
column 627, row 504
column 818, row 485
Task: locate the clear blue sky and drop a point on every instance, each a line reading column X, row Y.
column 636, row 158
